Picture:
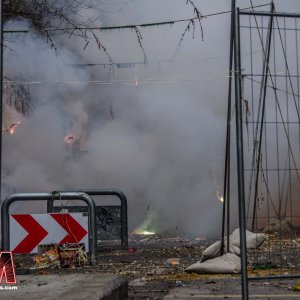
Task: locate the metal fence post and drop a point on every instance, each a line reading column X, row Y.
column 240, row 155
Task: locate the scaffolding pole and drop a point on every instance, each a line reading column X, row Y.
column 226, row 190
column 1, row 90
column 262, row 100
column 240, row 155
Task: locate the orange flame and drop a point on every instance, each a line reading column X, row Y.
column 11, row 129
column 69, row 139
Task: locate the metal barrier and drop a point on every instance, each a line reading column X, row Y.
column 5, row 230
column 106, row 192
column 267, row 165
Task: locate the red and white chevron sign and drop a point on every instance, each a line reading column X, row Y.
column 27, row 231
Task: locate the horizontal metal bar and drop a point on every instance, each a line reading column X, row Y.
column 274, row 277
column 267, row 14
column 275, row 28
column 273, row 122
column 274, row 216
column 272, row 74
column 271, row 171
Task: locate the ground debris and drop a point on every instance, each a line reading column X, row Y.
column 179, row 283
column 56, row 256
column 173, row 261
column 296, row 287
column 151, row 276
column 49, row 258
column 42, row 283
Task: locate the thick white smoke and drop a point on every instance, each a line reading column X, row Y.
column 161, row 141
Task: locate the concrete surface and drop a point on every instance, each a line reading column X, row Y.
column 230, row 289
column 186, row 294
column 94, row 286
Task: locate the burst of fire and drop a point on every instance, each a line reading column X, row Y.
column 11, row 129
column 136, row 78
column 146, row 227
column 69, row 139
column 220, row 198
column 144, row 232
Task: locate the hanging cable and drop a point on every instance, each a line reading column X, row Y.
column 131, row 26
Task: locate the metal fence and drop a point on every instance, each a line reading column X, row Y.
column 111, row 221
column 267, row 88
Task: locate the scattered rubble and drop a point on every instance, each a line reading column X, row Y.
column 296, row 287
column 150, row 272
column 179, row 283
column 55, row 256
column 173, row 261
column 49, row 258
column 72, row 255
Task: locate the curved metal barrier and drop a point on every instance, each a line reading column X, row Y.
column 106, row 192
column 5, row 230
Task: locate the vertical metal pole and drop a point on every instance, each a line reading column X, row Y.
column 262, row 99
column 240, row 155
column 1, row 90
column 226, row 191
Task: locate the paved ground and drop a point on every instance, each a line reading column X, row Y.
column 66, row 287
column 229, row 288
column 154, row 268
column 110, row 287
column 224, row 287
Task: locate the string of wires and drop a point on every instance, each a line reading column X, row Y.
column 129, row 26
column 128, row 82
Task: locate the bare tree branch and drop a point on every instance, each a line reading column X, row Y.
column 139, row 37
column 198, row 14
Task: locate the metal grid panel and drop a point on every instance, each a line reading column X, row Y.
column 270, row 99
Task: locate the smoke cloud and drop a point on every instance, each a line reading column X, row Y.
column 155, row 131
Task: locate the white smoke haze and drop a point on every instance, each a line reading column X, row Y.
column 161, row 142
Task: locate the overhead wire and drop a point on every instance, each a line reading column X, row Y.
column 129, row 26
column 135, row 27
column 121, row 81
